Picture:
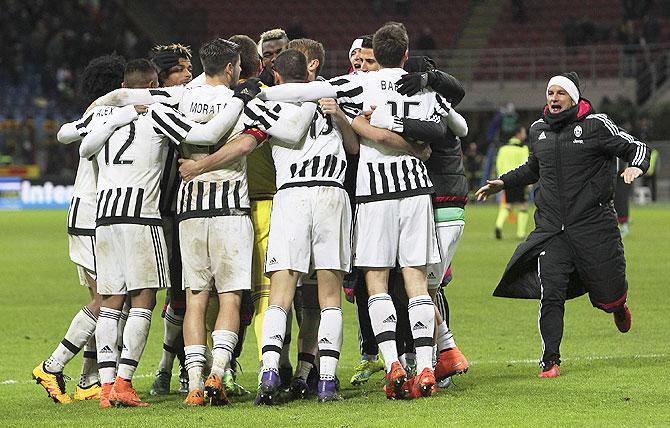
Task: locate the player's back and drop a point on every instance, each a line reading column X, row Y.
column 200, row 104
column 318, row 157
column 130, row 166
column 384, row 173
column 379, row 90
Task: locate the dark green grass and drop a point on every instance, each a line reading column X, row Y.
column 607, row 378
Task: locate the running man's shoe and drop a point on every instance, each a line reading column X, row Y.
column 53, row 383
column 106, row 388
column 195, row 398
column 214, row 391
column 365, row 369
column 622, row 318
column 449, row 363
column 231, row 387
column 549, row 370
column 268, row 390
column 327, row 391
column 395, row 379
column 161, row 385
column 92, row 392
column 124, row 395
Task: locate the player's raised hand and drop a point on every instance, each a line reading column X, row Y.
column 189, row 169
column 411, row 83
column 490, row 188
column 631, row 173
column 247, row 90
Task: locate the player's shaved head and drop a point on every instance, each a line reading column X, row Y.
column 250, row 61
column 291, row 65
column 312, row 49
column 390, row 44
column 140, row 73
column 216, row 54
column 102, row 75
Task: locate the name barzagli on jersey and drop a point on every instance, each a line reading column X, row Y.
column 388, row 85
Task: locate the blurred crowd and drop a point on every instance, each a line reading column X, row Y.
column 45, row 46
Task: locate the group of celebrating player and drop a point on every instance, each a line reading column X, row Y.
column 272, row 158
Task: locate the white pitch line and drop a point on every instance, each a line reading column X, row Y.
column 475, row 362
column 585, row 358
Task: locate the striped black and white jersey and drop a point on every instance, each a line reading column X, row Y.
column 130, row 166
column 384, row 173
column 317, row 160
column 81, row 213
column 216, row 193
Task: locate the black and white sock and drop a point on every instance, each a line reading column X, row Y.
column 384, row 320
column 330, row 342
column 195, row 364
column 122, row 324
column 80, row 331
column 173, row 328
column 89, row 367
column 307, row 340
column 223, row 345
column 422, row 321
column 445, row 338
column 105, row 339
column 274, row 328
column 134, row 339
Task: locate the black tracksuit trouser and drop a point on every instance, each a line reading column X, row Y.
column 554, row 266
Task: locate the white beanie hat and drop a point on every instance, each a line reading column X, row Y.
column 357, row 44
column 569, row 82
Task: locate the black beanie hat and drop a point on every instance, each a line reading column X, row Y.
column 574, row 77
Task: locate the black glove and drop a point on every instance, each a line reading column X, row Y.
column 248, row 90
column 267, row 77
column 165, row 60
column 411, row 83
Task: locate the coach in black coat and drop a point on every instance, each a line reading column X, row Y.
column 576, row 246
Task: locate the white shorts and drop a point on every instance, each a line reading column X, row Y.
column 448, row 235
column 82, row 253
column 83, row 275
column 310, row 227
column 216, row 253
column 130, row 257
column 395, row 231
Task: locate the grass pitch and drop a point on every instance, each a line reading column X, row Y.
column 607, row 378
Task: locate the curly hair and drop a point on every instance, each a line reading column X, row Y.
column 177, row 48
column 102, row 75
